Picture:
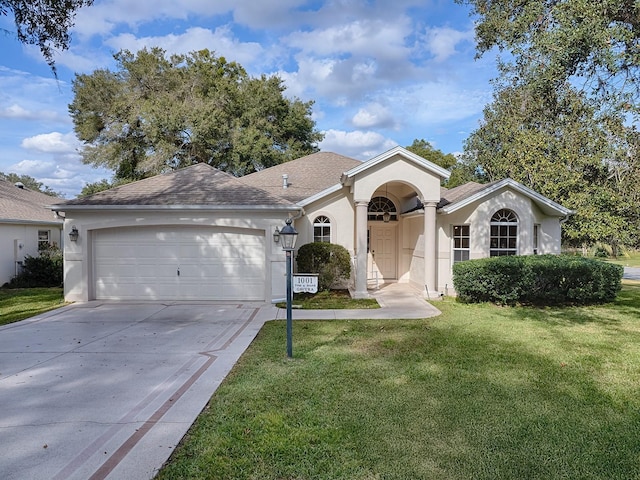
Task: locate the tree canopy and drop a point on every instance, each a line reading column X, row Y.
column 593, row 44
column 565, row 104
column 45, row 23
column 155, row 114
column 30, row 183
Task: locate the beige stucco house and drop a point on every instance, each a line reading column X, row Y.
column 199, row 233
column 26, row 224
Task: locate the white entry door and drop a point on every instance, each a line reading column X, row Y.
column 179, row 263
column 383, row 252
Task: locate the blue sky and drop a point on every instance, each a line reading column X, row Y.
column 381, row 73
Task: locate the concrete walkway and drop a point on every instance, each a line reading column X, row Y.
column 397, row 300
column 107, row 390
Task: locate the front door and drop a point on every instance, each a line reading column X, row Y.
column 382, row 251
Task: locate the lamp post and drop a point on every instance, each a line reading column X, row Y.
column 288, row 236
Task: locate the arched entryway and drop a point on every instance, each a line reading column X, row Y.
column 382, row 239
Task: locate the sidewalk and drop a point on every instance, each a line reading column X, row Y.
column 397, row 300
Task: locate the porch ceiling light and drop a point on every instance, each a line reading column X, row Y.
column 386, row 216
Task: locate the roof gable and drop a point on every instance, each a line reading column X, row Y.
column 21, row 205
column 469, row 193
column 198, row 185
column 431, row 167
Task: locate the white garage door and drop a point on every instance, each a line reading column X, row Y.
column 179, row 263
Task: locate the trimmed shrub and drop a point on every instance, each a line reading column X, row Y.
column 538, row 280
column 331, row 262
column 45, row 270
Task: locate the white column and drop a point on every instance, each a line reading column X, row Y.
column 361, row 248
column 430, row 256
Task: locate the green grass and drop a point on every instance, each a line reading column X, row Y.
column 332, row 299
column 20, row 303
column 631, row 259
column 480, row 392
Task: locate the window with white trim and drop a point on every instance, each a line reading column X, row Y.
column 322, row 229
column 536, row 232
column 382, row 209
column 44, row 239
column 460, row 243
column 504, row 233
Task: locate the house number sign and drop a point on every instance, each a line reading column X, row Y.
column 305, row 283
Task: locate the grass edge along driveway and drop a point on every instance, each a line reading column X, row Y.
column 20, row 303
column 479, row 392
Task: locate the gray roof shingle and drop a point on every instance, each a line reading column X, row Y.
column 197, row 185
column 23, row 205
column 308, row 175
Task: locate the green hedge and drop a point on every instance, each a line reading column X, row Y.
column 45, row 270
column 537, row 279
column 330, row 261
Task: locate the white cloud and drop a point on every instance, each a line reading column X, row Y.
column 355, row 144
column 371, row 38
column 374, row 115
column 17, row 112
column 221, row 41
column 54, row 142
column 441, row 42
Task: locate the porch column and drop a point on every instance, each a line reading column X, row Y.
column 362, row 207
column 430, row 256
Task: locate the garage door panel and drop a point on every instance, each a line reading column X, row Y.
column 143, row 263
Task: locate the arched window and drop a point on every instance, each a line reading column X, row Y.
column 322, row 229
column 382, row 209
column 504, row 233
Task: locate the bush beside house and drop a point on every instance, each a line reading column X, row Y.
column 330, row 261
column 45, row 270
column 537, row 280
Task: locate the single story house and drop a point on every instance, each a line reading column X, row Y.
column 199, row 233
column 26, row 225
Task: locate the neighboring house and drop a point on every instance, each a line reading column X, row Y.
column 26, row 224
column 199, row 233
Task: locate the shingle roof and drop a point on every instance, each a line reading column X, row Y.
column 197, row 185
column 307, row 175
column 456, row 194
column 24, row 205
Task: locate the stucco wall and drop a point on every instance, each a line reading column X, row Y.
column 19, row 240
column 478, row 217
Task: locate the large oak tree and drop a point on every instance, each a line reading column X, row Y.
column 156, row 113
column 565, row 107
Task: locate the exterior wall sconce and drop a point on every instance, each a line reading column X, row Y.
column 276, row 235
column 73, row 234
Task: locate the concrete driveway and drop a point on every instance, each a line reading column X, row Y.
column 105, row 390
column 631, row 273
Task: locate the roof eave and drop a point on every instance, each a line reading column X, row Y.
column 319, row 195
column 533, row 195
column 432, row 167
column 279, row 208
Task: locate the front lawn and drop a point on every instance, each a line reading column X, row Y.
column 329, row 299
column 480, row 392
column 20, row 303
column 631, row 259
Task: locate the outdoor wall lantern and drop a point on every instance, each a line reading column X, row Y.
column 276, row 235
column 288, row 235
column 386, row 216
column 73, row 234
